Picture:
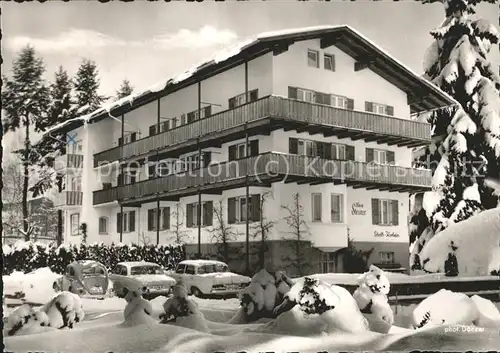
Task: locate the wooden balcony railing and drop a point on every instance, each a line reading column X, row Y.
column 69, row 161
column 270, row 107
column 70, row 198
column 268, row 167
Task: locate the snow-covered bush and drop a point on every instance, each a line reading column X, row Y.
column 64, row 310
column 25, row 320
column 475, row 242
column 265, row 292
column 180, row 310
column 28, row 256
column 315, row 307
column 138, row 310
column 371, row 296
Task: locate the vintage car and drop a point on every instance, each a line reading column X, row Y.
column 151, row 278
column 204, row 278
column 87, row 278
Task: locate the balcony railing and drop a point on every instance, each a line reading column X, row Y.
column 69, row 161
column 70, row 198
column 288, row 110
column 265, row 168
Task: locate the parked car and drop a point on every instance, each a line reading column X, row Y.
column 87, row 278
column 150, row 277
column 209, row 278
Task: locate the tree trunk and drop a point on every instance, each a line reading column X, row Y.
column 26, row 180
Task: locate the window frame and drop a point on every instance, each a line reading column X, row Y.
column 331, row 58
column 77, row 224
column 387, row 257
column 309, row 63
column 377, row 153
column 341, row 208
column 313, row 208
column 106, row 223
column 329, row 261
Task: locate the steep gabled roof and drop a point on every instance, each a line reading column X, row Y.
column 422, row 94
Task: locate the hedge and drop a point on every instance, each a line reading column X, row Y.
column 28, row 256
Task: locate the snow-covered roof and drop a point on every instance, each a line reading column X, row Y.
column 344, row 37
column 201, row 262
column 137, row 263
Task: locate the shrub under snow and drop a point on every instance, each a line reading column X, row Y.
column 26, row 320
column 264, row 294
column 64, row 310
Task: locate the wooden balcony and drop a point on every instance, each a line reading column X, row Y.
column 69, row 198
column 267, row 114
column 69, row 161
column 263, row 170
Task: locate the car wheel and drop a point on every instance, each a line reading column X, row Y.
column 196, row 292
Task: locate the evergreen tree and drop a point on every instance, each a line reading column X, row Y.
column 25, row 98
column 61, row 109
column 125, row 89
column 87, row 87
column 465, row 149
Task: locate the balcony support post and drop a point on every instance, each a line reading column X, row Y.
column 59, row 227
column 198, row 211
column 247, row 189
column 156, row 176
column 121, row 177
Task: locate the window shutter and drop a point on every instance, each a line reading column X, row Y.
column 189, row 215
column 190, row 117
column 207, row 111
column 231, row 210
column 254, row 95
column 390, row 157
column 207, row 158
column 151, row 171
column 333, row 62
column 369, row 155
column 166, row 218
column 254, row 148
column 375, row 211
column 395, row 212
column 208, row 215
column 131, row 220
column 369, row 106
column 390, row 110
column 232, row 152
column 255, row 208
column 151, row 215
column 166, row 125
column 120, row 179
column 118, row 222
column 292, row 92
column 133, row 136
column 322, row 98
column 133, row 176
column 327, row 150
column 152, row 130
column 350, row 104
column 120, row 141
column 293, row 145
column 232, row 103
column 319, row 149
column 349, row 153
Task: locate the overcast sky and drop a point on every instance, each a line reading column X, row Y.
column 147, row 42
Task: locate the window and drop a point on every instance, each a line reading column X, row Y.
column 76, row 184
column 76, row 147
column 190, row 270
column 328, row 262
column 339, row 101
column 386, row 257
column 120, row 270
column 305, row 95
column 385, row 212
column 337, row 207
column 329, row 62
column 239, row 151
column 306, row 148
column 237, row 209
column 240, row 99
column 103, row 225
column 195, row 114
column 380, row 156
column 378, row 108
column 316, row 207
column 146, row 270
column 180, row 268
column 125, row 222
column 338, row 151
column 75, row 224
column 207, row 214
column 311, row 96
column 313, row 58
column 164, row 216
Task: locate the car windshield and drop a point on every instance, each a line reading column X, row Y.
column 146, row 270
column 212, row 268
column 92, row 270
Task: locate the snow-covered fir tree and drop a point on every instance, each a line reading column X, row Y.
column 62, row 108
column 86, row 88
column 125, row 89
column 25, row 98
column 465, row 149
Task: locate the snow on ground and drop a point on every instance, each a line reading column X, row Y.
column 36, row 285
